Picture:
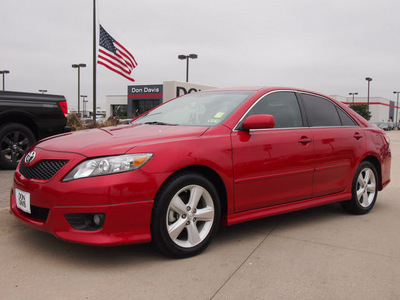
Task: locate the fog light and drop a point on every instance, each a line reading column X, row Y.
column 86, row 221
column 97, row 219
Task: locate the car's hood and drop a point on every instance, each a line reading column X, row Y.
column 117, row 140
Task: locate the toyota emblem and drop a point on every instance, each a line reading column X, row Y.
column 30, row 157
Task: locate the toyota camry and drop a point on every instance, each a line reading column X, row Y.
column 217, row 157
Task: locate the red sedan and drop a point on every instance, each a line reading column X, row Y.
column 209, row 158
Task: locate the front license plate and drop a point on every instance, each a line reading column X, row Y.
column 23, row 200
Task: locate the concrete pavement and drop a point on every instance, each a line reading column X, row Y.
column 320, row 253
column 6, row 178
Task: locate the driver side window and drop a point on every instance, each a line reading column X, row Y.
column 283, row 106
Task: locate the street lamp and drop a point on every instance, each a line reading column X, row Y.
column 84, row 105
column 43, row 91
column 369, row 79
column 192, row 56
column 79, row 66
column 397, row 108
column 4, row 72
column 352, row 94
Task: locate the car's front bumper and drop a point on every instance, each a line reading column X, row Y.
column 125, row 199
column 125, row 223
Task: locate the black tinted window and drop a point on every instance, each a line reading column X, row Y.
column 320, row 111
column 346, row 120
column 283, row 106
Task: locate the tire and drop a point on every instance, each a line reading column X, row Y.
column 364, row 190
column 186, row 215
column 15, row 139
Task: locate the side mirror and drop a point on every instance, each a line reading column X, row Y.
column 259, row 122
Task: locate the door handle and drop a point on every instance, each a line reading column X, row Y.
column 357, row 136
column 305, row 140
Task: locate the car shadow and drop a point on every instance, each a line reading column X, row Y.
column 43, row 244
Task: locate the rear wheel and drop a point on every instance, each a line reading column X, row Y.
column 15, row 139
column 364, row 190
column 186, row 216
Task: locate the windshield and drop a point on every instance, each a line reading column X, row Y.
column 196, row 109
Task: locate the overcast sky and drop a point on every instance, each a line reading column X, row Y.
column 326, row 46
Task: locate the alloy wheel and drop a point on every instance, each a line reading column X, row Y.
column 366, row 187
column 190, row 216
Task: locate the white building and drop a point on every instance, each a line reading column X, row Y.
column 116, row 104
column 382, row 110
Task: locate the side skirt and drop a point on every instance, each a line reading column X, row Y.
column 284, row 208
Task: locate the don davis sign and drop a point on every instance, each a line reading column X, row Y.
column 145, row 90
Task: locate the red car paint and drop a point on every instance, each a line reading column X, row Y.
column 260, row 172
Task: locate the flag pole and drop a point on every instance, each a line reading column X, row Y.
column 94, row 60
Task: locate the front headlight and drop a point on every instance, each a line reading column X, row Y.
column 108, row 165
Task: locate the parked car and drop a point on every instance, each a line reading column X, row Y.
column 214, row 157
column 386, row 126
column 26, row 118
column 125, row 121
column 86, row 121
column 100, row 119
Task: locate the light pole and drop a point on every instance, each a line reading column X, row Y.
column 79, row 66
column 84, row 105
column 397, row 108
column 84, row 108
column 42, row 91
column 192, row 56
column 369, row 79
column 4, row 72
column 352, row 94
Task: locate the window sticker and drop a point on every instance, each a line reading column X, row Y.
column 217, row 118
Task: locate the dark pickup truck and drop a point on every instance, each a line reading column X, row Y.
column 26, row 118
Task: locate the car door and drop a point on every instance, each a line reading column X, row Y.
column 338, row 141
column 273, row 166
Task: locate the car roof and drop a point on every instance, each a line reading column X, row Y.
column 264, row 89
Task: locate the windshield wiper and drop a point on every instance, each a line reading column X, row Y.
column 159, row 123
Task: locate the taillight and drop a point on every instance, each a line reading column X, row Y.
column 387, row 138
column 64, row 107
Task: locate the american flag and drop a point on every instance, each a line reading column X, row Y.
column 114, row 56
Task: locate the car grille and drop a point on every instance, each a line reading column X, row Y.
column 39, row 213
column 44, row 169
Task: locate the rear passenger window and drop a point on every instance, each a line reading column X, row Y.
column 320, row 112
column 346, row 120
column 283, row 106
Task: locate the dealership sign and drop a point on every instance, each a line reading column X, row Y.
column 155, row 90
column 180, row 90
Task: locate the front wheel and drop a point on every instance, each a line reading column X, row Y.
column 186, row 215
column 364, row 190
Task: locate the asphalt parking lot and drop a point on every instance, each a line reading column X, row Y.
column 319, row 253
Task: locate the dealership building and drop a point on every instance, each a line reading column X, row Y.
column 141, row 98
column 382, row 110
